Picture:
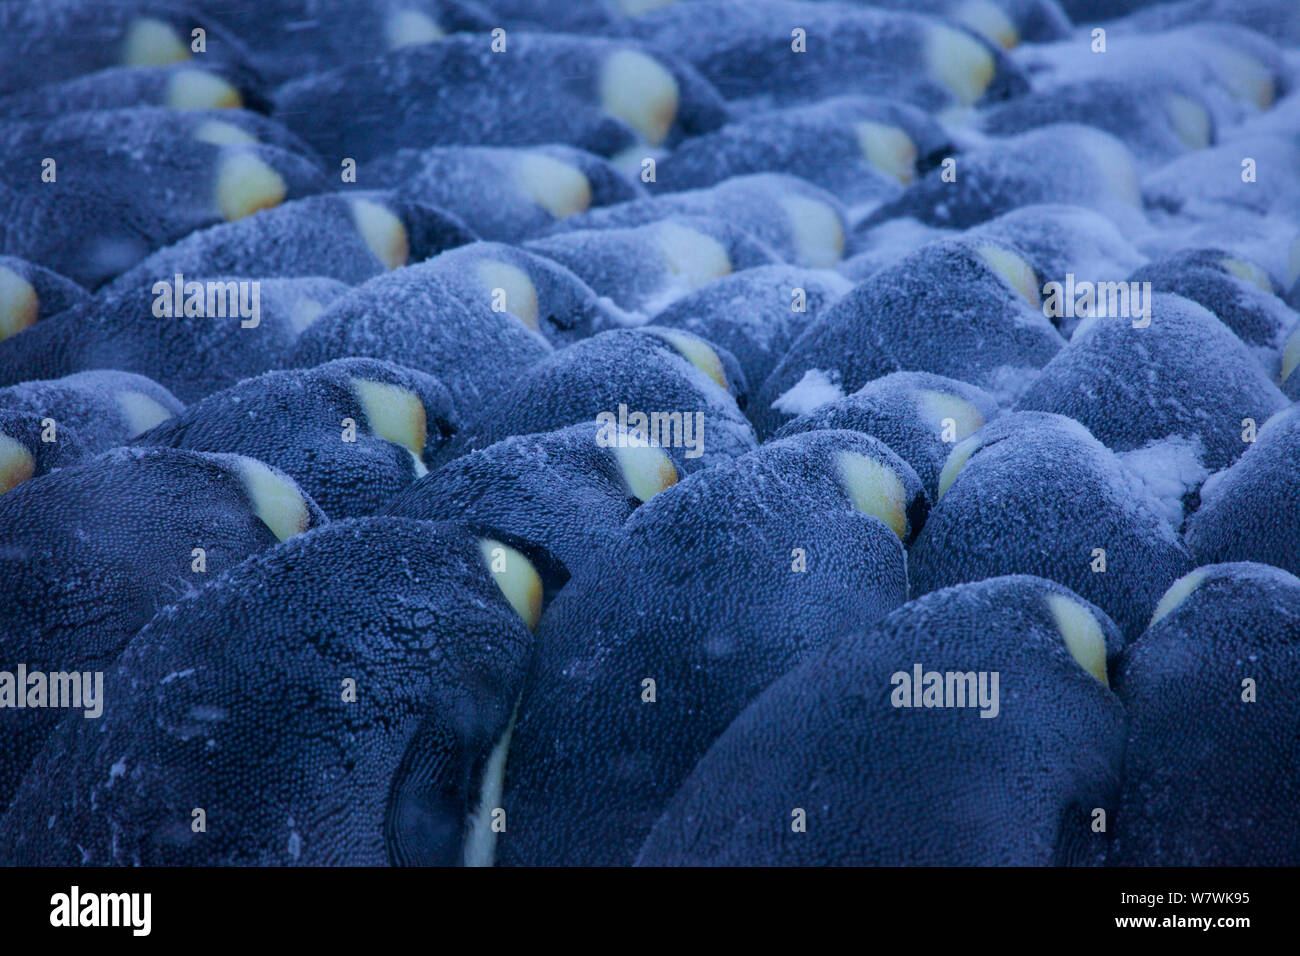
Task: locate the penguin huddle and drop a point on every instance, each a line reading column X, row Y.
column 674, row 433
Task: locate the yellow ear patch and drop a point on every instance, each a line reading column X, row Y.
column 957, row 459
column 411, row 28
column 395, row 414
column 520, row 293
column 516, row 577
column 938, row 406
column 1245, row 77
column 646, row 470
column 201, row 90
column 151, row 42
column 1082, row 635
column 304, row 312
column 889, row 149
column 698, row 352
column 383, row 232
column 692, row 255
column 275, row 498
column 817, row 230
column 1248, row 272
column 1177, row 593
column 16, row 464
column 141, row 412
column 245, row 185
column 1291, row 354
column 640, row 92
column 1115, row 164
column 19, row 303
column 220, row 133
column 874, row 489
column 1018, row 273
column 988, row 20
column 1190, row 120
column 560, row 189
column 959, row 62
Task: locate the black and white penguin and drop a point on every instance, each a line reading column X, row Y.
column 644, row 269
column 1210, row 772
column 29, row 293
column 1060, row 163
column 756, row 314
column 604, row 96
column 965, row 310
column 538, row 291
column 104, row 408
column 565, row 491
column 716, row 587
column 289, row 714
column 1251, row 511
column 1239, row 293
column 177, row 87
column 778, row 52
column 503, row 194
column 290, row 38
column 93, row 550
column 414, row 317
column 105, row 208
column 918, row 415
column 1033, row 493
column 660, row 386
column 1148, row 392
column 235, row 328
column 352, row 433
column 804, row 225
column 862, row 149
column 30, row 447
column 350, row 238
column 61, row 39
column 972, row 726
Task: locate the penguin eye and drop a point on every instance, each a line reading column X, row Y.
column 874, row 489
column 646, row 471
column 1177, row 593
column 1082, row 635
column 516, row 577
